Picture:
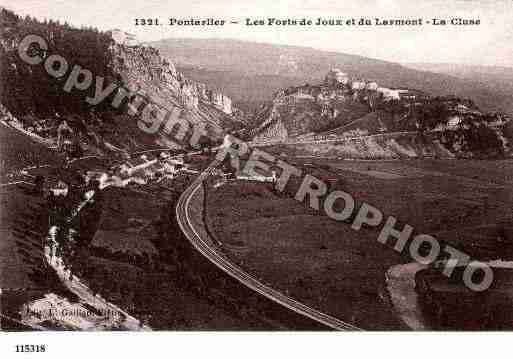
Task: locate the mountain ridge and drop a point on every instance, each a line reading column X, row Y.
column 294, row 64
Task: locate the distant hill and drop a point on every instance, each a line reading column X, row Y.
column 247, row 91
column 475, row 72
column 498, row 79
column 247, row 70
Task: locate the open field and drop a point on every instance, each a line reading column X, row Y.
column 331, row 267
column 306, row 255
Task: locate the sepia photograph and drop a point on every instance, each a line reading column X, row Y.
column 260, row 167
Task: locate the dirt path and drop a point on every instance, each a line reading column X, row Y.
column 400, row 281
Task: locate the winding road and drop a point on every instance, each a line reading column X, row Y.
column 203, row 246
column 327, row 140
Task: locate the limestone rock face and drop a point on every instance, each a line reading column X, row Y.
column 224, row 103
column 145, row 71
column 142, row 68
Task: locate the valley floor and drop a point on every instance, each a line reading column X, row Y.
column 331, row 267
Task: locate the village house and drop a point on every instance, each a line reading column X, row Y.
column 453, row 122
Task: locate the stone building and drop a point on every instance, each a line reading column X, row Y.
column 124, row 38
column 335, row 77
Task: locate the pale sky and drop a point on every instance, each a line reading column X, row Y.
column 487, row 44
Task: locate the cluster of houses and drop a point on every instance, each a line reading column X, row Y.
column 142, row 169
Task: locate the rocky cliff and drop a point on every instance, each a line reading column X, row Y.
column 143, row 68
column 143, row 71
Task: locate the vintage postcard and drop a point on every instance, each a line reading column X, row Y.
column 278, row 165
